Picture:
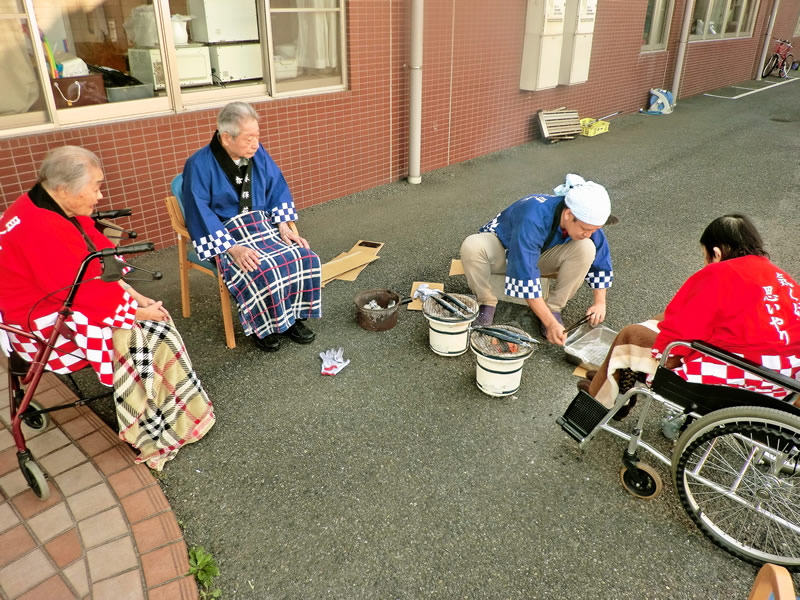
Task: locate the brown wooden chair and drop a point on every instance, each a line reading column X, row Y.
column 188, row 260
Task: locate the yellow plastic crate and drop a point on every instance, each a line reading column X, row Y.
column 595, row 128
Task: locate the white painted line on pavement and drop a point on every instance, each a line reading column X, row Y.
column 790, row 80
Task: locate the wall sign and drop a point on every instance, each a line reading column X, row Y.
column 555, row 10
column 588, row 9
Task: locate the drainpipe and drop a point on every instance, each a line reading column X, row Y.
column 415, row 92
column 682, row 44
column 768, row 40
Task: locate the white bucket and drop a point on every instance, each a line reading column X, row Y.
column 499, row 375
column 448, row 338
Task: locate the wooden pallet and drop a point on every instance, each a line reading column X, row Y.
column 559, row 124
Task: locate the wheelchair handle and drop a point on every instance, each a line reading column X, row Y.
column 111, row 214
column 129, row 249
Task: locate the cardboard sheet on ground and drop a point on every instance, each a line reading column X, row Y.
column 416, row 304
column 365, row 247
column 343, row 264
column 580, row 371
column 334, row 271
column 456, row 268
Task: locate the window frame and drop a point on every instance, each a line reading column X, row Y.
column 751, row 6
column 174, row 100
column 662, row 16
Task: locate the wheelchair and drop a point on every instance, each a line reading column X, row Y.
column 24, row 377
column 735, row 463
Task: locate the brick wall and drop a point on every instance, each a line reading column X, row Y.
column 335, row 144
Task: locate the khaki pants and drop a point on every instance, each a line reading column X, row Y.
column 484, row 261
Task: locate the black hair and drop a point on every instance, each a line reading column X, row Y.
column 735, row 236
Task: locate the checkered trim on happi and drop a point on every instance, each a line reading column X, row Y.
column 284, row 287
column 708, row 370
column 212, row 244
column 125, row 315
column 89, row 344
column 518, row 288
column 600, row 279
column 491, row 225
column 161, row 405
column 284, row 213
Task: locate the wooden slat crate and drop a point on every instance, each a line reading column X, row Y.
column 559, row 124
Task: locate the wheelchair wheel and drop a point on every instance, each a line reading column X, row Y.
column 34, row 421
column 643, row 481
column 36, row 479
column 737, row 472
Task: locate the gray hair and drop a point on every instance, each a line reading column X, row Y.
column 232, row 116
column 68, row 166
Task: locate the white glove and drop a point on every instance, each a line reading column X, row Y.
column 332, row 361
column 423, row 292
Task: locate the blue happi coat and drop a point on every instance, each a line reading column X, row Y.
column 523, row 229
column 286, row 285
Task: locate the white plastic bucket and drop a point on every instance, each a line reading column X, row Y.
column 499, row 374
column 498, row 377
column 448, row 338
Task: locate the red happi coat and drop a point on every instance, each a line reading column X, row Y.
column 747, row 306
column 40, row 252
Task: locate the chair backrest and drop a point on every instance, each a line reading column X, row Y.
column 177, row 191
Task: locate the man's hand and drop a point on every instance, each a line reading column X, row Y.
column 556, row 334
column 245, row 258
column 289, row 237
column 597, row 313
column 598, row 308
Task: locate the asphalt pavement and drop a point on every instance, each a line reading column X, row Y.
column 398, row 478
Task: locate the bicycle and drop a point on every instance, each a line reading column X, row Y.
column 781, row 60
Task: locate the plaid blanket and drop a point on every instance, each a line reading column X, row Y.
column 285, row 286
column 632, row 351
column 160, row 402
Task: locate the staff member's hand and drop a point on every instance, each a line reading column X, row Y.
column 245, row 258
column 556, row 334
column 597, row 313
column 289, row 237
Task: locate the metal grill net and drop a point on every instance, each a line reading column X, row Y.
column 490, row 346
column 436, row 310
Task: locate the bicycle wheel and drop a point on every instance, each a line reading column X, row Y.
column 786, row 65
column 770, row 65
column 737, row 472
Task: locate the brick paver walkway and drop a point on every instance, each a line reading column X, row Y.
column 107, row 531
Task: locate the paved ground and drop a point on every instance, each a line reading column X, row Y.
column 398, row 478
column 105, row 532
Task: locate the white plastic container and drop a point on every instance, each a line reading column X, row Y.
column 498, row 374
column 448, row 335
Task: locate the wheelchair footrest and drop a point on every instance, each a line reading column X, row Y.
column 582, row 416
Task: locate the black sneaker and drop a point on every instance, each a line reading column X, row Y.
column 270, row 343
column 300, row 333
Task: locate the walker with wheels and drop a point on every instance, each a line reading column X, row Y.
column 24, row 377
column 736, row 461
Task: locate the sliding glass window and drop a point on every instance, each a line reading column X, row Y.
column 722, row 19
column 84, row 61
column 656, row 25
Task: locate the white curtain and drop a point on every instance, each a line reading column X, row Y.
column 19, row 81
column 318, row 36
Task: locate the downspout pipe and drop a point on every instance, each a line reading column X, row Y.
column 415, row 93
column 768, row 39
column 682, row 45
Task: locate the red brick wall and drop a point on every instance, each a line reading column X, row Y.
column 335, row 144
